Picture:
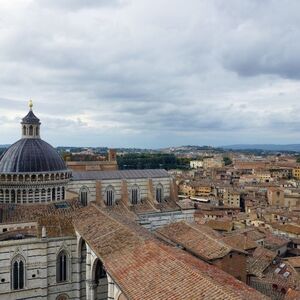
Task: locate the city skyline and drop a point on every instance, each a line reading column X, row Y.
column 151, row 74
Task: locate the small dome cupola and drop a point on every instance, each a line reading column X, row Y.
column 31, row 124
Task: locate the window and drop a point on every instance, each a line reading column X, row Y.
column 62, row 267
column 30, row 130
column 110, row 196
column 53, row 194
column 18, row 273
column 100, row 271
column 24, row 130
column 134, row 195
column 159, row 193
column 84, row 196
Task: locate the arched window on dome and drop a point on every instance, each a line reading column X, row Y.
column 13, row 196
column 53, row 194
column 159, row 193
column 31, row 130
column 18, row 273
column 135, row 194
column 84, row 196
column 62, row 265
column 24, row 130
column 43, row 195
column 37, row 131
column 109, row 196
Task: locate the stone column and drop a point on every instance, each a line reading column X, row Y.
column 88, row 272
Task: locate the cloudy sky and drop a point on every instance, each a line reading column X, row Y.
column 151, row 73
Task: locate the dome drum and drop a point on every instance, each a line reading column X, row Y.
column 32, row 194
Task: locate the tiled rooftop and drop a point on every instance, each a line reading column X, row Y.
column 240, row 241
column 58, row 221
column 195, row 240
column 144, row 268
column 260, row 260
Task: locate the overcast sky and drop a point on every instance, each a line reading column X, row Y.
column 151, row 73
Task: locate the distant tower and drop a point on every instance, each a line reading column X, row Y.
column 31, row 124
column 112, row 156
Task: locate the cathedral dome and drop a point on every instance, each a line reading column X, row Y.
column 31, row 170
column 30, row 156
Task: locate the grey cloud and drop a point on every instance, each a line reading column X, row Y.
column 78, row 4
column 196, row 69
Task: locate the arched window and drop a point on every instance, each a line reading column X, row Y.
column 62, row 193
column 18, row 273
column 30, row 130
column 100, row 271
column 53, row 194
column 84, row 196
column 37, row 131
column 159, row 195
column 109, row 196
column 13, row 196
column 62, row 266
column 24, row 130
column 135, row 194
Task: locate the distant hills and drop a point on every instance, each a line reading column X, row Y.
column 190, row 148
column 264, row 147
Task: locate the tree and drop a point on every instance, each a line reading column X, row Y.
column 227, row 160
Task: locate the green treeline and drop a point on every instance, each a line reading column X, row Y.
column 152, row 161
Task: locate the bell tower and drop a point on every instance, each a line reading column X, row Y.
column 30, row 125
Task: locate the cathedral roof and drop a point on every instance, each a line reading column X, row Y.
column 31, row 155
column 120, row 174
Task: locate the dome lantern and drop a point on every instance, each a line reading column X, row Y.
column 30, row 124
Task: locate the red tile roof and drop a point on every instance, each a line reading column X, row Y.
column 195, row 240
column 144, row 268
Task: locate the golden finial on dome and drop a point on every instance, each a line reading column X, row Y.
column 30, row 104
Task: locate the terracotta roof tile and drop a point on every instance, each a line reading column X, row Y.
column 144, row 268
column 195, row 240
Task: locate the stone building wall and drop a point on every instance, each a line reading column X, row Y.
column 234, row 264
column 142, row 183
column 153, row 221
column 40, row 268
